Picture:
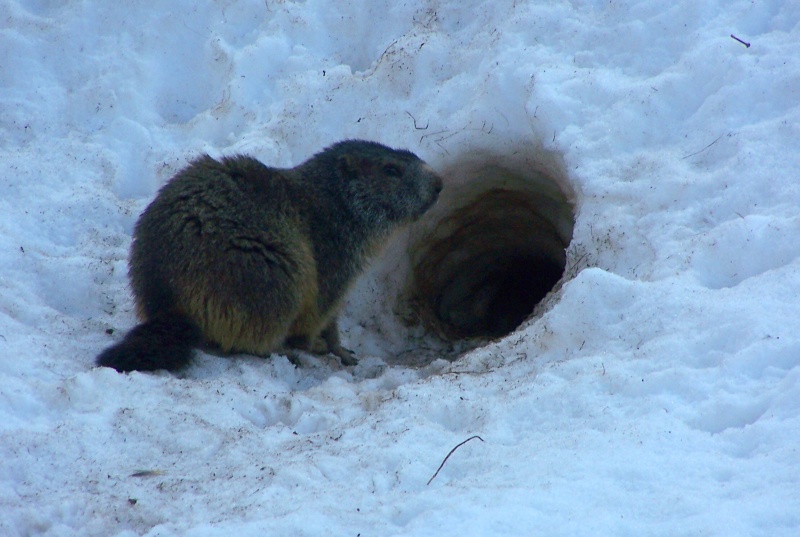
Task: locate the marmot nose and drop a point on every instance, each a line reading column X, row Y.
column 438, row 185
column 435, row 188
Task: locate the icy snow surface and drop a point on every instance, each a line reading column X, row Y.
column 658, row 393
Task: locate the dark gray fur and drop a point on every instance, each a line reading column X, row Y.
column 254, row 259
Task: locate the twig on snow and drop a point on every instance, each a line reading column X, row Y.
column 745, row 43
column 706, row 147
column 451, row 452
column 147, row 473
column 416, row 126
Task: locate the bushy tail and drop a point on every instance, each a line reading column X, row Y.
column 165, row 342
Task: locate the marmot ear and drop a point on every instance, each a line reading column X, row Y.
column 347, row 166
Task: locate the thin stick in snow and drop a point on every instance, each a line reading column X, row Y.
column 416, row 126
column 745, row 43
column 706, row 147
column 451, row 452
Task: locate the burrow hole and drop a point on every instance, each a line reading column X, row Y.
column 493, row 247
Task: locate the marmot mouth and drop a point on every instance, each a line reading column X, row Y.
column 493, row 247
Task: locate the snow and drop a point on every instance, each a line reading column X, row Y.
column 657, row 393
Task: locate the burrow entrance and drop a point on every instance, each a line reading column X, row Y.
column 493, row 247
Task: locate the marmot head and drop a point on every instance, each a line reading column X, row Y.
column 384, row 185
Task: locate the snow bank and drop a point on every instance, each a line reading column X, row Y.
column 656, row 392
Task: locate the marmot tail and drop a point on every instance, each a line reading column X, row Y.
column 164, row 342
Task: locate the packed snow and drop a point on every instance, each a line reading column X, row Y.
column 656, row 392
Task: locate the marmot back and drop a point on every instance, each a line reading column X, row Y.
column 255, row 259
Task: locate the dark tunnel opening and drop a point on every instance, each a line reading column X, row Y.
column 494, row 247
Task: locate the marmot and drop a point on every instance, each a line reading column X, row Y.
column 253, row 259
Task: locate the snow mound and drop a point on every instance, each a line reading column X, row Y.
column 654, row 391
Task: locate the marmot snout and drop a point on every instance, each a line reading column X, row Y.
column 255, row 259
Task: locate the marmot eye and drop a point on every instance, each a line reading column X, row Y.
column 392, row 170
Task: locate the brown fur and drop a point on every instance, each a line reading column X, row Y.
column 258, row 258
